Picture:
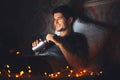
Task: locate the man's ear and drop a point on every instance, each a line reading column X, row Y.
column 70, row 20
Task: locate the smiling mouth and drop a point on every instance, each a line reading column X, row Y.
column 57, row 26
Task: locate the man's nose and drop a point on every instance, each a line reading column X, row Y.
column 56, row 21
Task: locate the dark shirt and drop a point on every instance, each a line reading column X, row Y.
column 74, row 42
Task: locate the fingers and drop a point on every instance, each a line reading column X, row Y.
column 35, row 43
column 50, row 37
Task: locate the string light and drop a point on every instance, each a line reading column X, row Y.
column 28, row 67
column 91, row 73
column 17, row 52
column 0, row 72
column 71, row 73
column 67, row 72
column 21, row 73
column 7, row 66
column 16, row 75
column 45, row 73
column 9, row 75
column 9, row 71
column 29, row 71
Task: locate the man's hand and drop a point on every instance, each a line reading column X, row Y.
column 35, row 43
column 53, row 38
column 50, row 37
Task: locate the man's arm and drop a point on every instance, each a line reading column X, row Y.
column 74, row 60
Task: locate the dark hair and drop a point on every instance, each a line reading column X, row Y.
column 65, row 10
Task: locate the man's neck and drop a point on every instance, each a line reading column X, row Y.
column 65, row 33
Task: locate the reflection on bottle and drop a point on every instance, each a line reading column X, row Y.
column 40, row 45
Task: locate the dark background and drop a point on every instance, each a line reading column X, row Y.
column 16, row 36
column 15, row 16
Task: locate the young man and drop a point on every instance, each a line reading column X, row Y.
column 69, row 48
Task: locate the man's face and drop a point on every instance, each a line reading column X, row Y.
column 60, row 22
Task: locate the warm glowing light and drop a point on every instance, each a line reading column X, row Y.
column 84, row 70
column 71, row 71
column 16, row 75
column 101, row 72
column 49, row 75
column 7, row 66
column 67, row 67
column 81, row 72
column 91, row 73
column 8, row 71
column 56, row 75
column 52, row 74
column 29, row 71
column 28, row 67
column 0, row 72
column 69, row 75
column 77, row 75
column 9, row 75
column 17, row 52
column 45, row 73
column 58, row 72
column 21, row 73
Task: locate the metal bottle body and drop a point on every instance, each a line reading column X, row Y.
column 40, row 45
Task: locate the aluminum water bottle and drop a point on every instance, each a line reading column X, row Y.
column 40, row 45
